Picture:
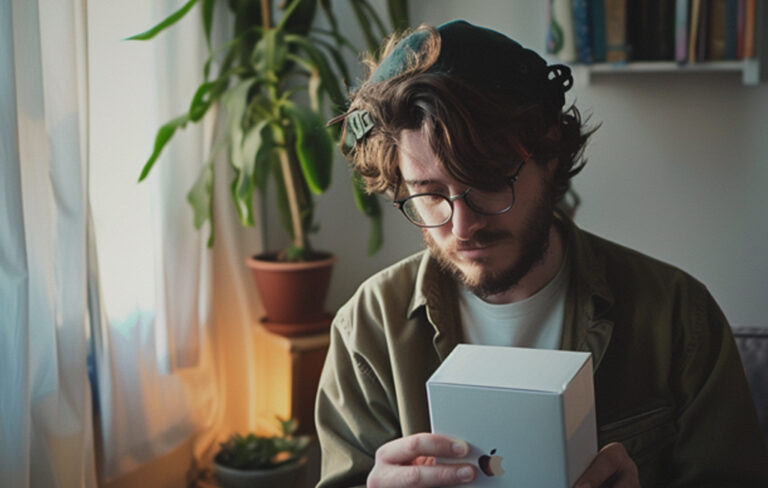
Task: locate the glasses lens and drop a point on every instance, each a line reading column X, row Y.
column 490, row 202
column 428, row 209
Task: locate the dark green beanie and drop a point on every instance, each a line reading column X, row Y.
column 482, row 57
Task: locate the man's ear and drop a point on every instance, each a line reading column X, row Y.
column 553, row 133
column 552, row 167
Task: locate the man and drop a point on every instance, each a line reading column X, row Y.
column 466, row 130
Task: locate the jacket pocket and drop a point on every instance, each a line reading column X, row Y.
column 644, row 434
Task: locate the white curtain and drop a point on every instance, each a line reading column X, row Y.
column 79, row 108
column 46, row 435
column 171, row 363
column 156, row 381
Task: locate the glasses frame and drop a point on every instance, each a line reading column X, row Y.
column 400, row 202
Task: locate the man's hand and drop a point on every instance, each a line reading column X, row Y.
column 410, row 462
column 613, row 465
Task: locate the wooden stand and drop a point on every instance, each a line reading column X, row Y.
column 287, row 372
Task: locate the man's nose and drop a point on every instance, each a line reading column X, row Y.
column 465, row 221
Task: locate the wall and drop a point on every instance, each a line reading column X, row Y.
column 678, row 170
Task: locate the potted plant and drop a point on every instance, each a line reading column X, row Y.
column 262, row 461
column 278, row 82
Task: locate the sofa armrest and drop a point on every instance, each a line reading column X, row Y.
column 752, row 343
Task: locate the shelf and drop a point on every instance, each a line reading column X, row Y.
column 287, row 371
column 749, row 69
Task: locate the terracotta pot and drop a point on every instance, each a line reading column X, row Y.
column 293, row 294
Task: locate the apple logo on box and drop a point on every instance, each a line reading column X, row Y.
column 491, row 465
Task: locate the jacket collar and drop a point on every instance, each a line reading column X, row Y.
column 436, row 292
column 588, row 301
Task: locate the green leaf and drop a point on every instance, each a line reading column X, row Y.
column 314, row 87
column 338, row 59
column 376, row 237
column 325, row 4
column 200, row 197
column 369, row 205
column 370, row 38
column 269, row 53
column 235, row 102
column 398, row 14
column 313, row 145
column 257, row 146
column 383, row 31
column 169, row 21
column 208, row 6
column 241, row 190
column 201, row 101
column 164, row 134
column 298, row 17
column 365, row 202
column 232, row 47
column 288, row 13
column 320, row 62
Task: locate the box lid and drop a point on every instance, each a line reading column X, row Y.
column 541, row 370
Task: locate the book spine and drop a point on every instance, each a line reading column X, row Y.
column 581, row 31
column 702, row 53
column 639, row 31
column 749, row 28
column 616, row 31
column 693, row 30
column 716, row 33
column 665, row 42
column 597, row 29
column 681, row 31
column 731, row 29
column 740, row 16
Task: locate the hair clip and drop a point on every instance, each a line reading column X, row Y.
column 560, row 76
column 360, row 122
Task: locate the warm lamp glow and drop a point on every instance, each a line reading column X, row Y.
column 273, row 377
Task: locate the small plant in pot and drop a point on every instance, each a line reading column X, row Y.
column 262, row 461
column 280, row 78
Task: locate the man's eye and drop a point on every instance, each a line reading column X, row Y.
column 432, row 198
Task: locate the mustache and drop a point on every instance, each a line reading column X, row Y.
column 482, row 238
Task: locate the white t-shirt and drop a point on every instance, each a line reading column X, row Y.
column 535, row 322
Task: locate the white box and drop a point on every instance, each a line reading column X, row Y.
column 533, row 410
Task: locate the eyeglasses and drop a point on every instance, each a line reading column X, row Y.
column 436, row 209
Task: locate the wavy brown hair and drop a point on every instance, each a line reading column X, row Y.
column 477, row 135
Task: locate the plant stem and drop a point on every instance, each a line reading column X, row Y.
column 266, row 14
column 299, row 239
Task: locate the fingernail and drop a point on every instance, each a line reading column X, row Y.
column 465, row 474
column 460, row 448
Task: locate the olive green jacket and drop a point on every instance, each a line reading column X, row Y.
column 669, row 383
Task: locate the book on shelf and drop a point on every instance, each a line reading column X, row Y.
column 665, row 30
column 716, row 23
column 702, row 40
column 620, row 31
column 732, row 29
column 749, row 28
column 616, row 31
column 597, row 30
column 693, row 29
column 581, row 31
column 681, row 31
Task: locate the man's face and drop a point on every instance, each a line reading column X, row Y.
column 488, row 254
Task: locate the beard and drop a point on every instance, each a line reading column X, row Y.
column 488, row 281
